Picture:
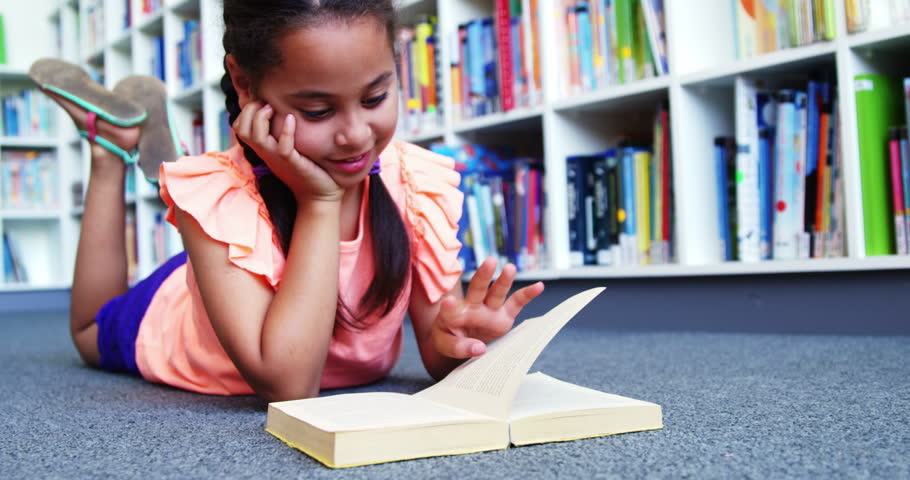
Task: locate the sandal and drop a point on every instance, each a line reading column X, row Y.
column 72, row 83
column 158, row 141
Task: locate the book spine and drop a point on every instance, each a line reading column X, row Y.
column 629, row 240
column 504, row 37
column 642, row 160
column 897, row 191
column 747, row 196
column 875, row 113
column 575, row 185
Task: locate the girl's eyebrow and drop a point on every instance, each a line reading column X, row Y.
column 310, row 94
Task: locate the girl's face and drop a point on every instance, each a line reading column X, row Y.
column 339, row 81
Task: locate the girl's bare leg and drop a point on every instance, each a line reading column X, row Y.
column 101, row 264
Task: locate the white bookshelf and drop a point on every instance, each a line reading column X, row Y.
column 698, row 89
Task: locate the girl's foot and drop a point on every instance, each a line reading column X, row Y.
column 159, row 141
column 124, row 137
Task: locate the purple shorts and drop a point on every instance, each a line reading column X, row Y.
column 118, row 320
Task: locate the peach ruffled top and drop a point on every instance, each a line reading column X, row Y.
column 176, row 344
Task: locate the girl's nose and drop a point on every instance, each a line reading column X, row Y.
column 354, row 133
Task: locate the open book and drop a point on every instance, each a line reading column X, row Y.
column 487, row 403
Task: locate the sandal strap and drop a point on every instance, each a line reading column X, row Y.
column 90, row 119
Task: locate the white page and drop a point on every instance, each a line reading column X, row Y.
column 541, row 394
column 372, row 410
column 487, row 384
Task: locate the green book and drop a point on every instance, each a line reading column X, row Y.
column 2, row 42
column 878, row 107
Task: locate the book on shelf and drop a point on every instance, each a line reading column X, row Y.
column 419, row 76
column 502, row 213
column 2, row 42
column 725, row 184
column 867, row 15
column 611, row 42
column 488, row 403
column 27, row 113
column 620, row 202
column 28, row 179
column 788, row 191
column 13, row 267
column 494, row 61
column 189, row 54
column 764, row 26
column 878, row 107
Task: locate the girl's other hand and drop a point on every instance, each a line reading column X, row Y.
column 305, row 179
column 463, row 328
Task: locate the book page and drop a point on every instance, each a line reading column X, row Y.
column 372, row 410
column 487, row 384
column 541, row 394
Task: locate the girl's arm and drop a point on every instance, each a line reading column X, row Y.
column 459, row 325
column 277, row 340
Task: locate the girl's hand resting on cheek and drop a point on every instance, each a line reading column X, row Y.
column 306, row 179
column 463, row 328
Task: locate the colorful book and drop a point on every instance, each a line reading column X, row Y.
column 877, row 108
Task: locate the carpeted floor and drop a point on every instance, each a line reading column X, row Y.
column 735, row 406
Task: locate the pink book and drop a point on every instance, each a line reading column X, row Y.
column 897, row 191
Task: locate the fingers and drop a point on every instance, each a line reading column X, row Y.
column 522, row 297
column 500, row 288
column 448, row 336
column 243, row 125
column 286, row 141
column 454, row 346
column 261, row 128
column 480, row 282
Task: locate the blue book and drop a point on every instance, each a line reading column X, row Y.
column 722, row 155
column 766, row 191
column 475, row 68
column 628, row 239
column 786, row 156
column 586, row 54
column 576, row 173
column 519, row 81
column 815, row 99
column 491, row 85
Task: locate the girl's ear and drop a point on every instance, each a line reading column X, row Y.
column 242, row 82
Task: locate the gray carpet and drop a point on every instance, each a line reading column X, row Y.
column 735, row 406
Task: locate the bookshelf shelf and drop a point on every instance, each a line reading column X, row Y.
column 95, row 57
column 123, row 43
column 189, row 8
column 39, row 214
column 642, row 90
column 728, row 268
column 424, row 135
column 897, row 37
column 500, row 120
column 189, row 97
column 8, row 73
column 31, row 287
column 153, row 24
column 28, row 142
column 787, row 60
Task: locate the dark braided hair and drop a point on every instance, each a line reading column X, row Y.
column 251, row 28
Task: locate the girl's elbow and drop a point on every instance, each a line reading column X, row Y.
column 284, row 393
column 278, row 388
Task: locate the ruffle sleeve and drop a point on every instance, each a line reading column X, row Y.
column 433, row 206
column 219, row 191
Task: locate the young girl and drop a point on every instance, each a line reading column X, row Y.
column 307, row 243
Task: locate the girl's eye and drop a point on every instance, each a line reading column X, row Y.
column 315, row 114
column 375, row 101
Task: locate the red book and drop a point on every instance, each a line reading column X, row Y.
column 504, row 48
